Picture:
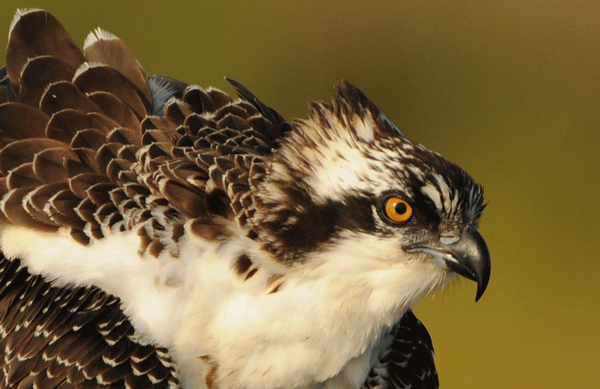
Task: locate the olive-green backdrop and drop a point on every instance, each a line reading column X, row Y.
column 508, row 89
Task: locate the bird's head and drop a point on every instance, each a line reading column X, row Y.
column 347, row 192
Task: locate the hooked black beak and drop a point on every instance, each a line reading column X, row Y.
column 468, row 256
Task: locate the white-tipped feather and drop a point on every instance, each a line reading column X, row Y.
column 18, row 15
column 97, row 35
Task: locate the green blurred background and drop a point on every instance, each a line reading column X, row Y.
column 508, row 89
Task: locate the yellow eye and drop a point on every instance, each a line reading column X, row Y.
column 397, row 209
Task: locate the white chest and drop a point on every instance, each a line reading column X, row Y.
column 323, row 327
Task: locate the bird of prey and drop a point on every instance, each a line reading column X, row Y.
column 155, row 234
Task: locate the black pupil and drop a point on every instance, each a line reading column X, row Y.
column 400, row 208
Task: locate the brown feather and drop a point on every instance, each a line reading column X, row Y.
column 12, row 207
column 23, row 151
column 188, row 201
column 86, row 210
column 234, row 110
column 99, row 193
column 20, row 121
column 186, row 171
column 119, row 198
column 196, row 122
column 106, row 153
column 64, row 125
column 128, row 152
column 80, row 237
column 6, row 92
column 101, row 78
column 115, row 109
column 22, row 176
column 35, row 33
column 65, row 95
column 145, row 239
column 155, row 247
column 176, row 111
column 106, row 48
column 158, row 150
column 86, row 163
column 165, row 126
column 49, row 165
column 219, row 98
column 233, row 122
column 90, row 138
column 124, row 136
column 154, row 136
column 110, row 151
column 37, row 74
column 210, row 228
column 115, row 167
column 199, row 100
column 39, row 198
column 62, row 209
column 80, row 183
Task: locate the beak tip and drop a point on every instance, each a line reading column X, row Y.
column 484, row 272
column 474, row 255
column 480, row 291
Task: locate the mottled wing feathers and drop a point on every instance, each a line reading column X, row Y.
column 92, row 145
column 408, row 363
column 280, row 126
column 71, row 338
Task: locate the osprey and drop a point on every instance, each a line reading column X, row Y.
column 157, row 234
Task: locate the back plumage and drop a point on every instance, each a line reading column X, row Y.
column 71, row 124
column 75, row 123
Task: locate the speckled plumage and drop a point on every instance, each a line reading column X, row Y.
column 71, row 338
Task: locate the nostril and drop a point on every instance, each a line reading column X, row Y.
column 449, row 239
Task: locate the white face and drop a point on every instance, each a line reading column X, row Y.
column 323, row 203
